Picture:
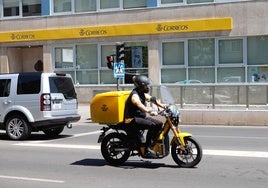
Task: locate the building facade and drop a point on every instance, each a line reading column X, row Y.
column 171, row 41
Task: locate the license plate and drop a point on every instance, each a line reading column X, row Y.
column 57, row 106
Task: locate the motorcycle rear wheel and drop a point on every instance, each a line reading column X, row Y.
column 189, row 157
column 114, row 149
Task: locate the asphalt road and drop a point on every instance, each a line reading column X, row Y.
column 233, row 157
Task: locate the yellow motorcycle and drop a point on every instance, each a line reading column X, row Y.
column 118, row 142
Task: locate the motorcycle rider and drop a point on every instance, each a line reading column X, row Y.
column 135, row 112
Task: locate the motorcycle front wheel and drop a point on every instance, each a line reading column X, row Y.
column 114, row 149
column 188, row 157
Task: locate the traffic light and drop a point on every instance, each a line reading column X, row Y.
column 120, row 52
column 110, row 61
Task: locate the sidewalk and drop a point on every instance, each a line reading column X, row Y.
column 84, row 111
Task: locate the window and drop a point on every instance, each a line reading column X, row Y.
column 62, row 85
column 231, row 61
column 31, row 8
column 64, row 57
column 87, row 56
column 257, row 57
column 173, row 53
column 201, row 52
column 202, row 75
column 29, row 83
column 136, row 60
column 233, row 66
column 257, row 50
column 173, row 75
column 5, row 87
column 106, row 50
column 62, row 6
column 134, row 4
column 173, row 62
column 231, row 74
column 231, row 51
column 87, row 64
column 258, row 74
column 85, row 5
column 106, row 76
column 26, row 7
column 107, row 4
column 171, row 1
column 11, row 8
column 199, row 1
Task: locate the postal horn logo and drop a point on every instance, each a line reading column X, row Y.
column 82, row 32
column 104, row 107
column 159, row 27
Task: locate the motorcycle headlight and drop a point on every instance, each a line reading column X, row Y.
column 175, row 115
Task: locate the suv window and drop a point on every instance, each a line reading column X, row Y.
column 29, row 83
column 5, row 87
column 62, row 85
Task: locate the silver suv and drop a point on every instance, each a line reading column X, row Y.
column 31, row 102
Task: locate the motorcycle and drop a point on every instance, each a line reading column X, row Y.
column 118, row 142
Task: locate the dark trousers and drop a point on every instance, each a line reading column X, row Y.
column 152, row 125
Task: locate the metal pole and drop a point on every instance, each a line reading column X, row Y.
column 213, row 96
column 118, row 84
column 247, row 97
column 182, row 95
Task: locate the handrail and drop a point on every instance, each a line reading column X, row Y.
column 215, row 96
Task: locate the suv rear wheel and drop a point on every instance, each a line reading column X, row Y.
column 17, row 128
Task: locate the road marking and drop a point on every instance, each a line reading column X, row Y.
column 31, row 179
column 72, row 136
column 228, row 153
column 66, row 146
column 85, row 134
column 234, row 153
column 235, row 137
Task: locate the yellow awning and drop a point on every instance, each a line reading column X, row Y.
column 148, row 28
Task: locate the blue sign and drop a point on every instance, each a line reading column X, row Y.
column 119, row 70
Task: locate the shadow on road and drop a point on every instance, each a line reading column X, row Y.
column 130, row 164
column 35, row 137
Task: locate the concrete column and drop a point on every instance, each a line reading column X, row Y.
column 153, row 61
column 4, row 65
column 47, row 58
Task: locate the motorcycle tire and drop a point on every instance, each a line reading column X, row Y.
column 114, row 149
column 189, row 157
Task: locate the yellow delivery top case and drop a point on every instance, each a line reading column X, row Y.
column 108, row 108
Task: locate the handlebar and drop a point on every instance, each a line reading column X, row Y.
column 164, row 110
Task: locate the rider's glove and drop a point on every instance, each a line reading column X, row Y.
column 166, row 107
column 153, row 113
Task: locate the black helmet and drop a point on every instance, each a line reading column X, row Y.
column 141, row 83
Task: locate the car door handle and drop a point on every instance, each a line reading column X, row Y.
column 7, row 101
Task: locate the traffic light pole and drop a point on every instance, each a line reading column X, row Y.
column 120, row 56
column 118, row 83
